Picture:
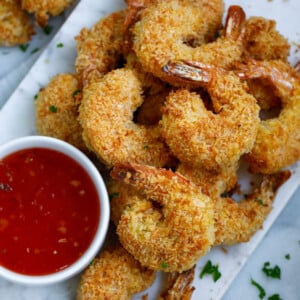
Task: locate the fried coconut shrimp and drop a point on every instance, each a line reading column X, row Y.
column 56, row 109
column 171, row 226
column 106, row 115
column 15, row 25
column 277, row 143
column 168, row 223
column 155, row 44
column 203, row 138
column 263, row 41
column 42, row 10
column 99, row 49
column 236, row 222
column 114, row 275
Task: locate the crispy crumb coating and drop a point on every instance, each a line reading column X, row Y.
column 211, row 139
column 43, row 9
column 99, row 49
column 106, row 115
column 172, row 227
column 15, row 25
column 56, row 109
column 114, row 275
column 277, row 143
column 237, row 222
column 172, row 30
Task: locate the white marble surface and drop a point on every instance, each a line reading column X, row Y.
column 281, row 234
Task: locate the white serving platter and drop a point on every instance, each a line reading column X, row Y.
column 17, row 119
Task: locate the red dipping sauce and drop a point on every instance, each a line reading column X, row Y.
column 49, row 211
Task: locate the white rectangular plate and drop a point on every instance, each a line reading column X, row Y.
column 17, row 119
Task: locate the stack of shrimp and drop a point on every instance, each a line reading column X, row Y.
column 16, row 26
column 170, row 100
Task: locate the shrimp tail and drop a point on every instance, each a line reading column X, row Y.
column 234, row 24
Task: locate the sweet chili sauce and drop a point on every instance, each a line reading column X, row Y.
column 49, row 211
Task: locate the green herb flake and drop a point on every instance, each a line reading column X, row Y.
column 24, row 47
column 77, row 92
column 59, row 45
column 259, row 201
column 274, row 272
column 47, row 29
column 274, row 297
column 146, row 147
column 53, row 108
column 164, row 265
column 262, row 292
column 288, row 256
column 35, row 96
column 35, row 50
column 210, row 269
column 113, row 195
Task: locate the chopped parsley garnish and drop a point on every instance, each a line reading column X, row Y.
column 210, row 269
column 259, row 201
column 274, row 272
column 262, row 292
column 146, row 147
column 53, row 108
column 35, row 96
column 48, row 29
column 59, row 45
column 77, row 92
column 274, row 297
column 113, row 195
column 288, row 256
column 35, row 50
column 24, row 47
column 164, row 265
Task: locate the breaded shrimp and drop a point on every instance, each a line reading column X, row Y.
column 106, row 115
column 156, row 234
column 56, row 109
column 42, row 10
column 277, row 144
column 236, row 222
column 114, row 275
column 203, row 138
column 263, row 41
column 15, row 25
column 172, row 226
column 174, row 30
column 99, row 49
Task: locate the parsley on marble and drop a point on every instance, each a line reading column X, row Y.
column 262, row 292
column 47, row 29
column 24, row 47
column 59, row 45
column 274, row 297
column 210, row 269
column 287, row 256
column 35, row 50
column 274, row 272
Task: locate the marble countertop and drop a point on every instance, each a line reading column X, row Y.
column 21, row 76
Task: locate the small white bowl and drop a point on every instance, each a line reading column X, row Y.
column 99, row 238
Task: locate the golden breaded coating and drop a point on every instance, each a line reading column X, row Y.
column 99, row 48
column 277, row 143
column 106, row 116
column 210, row 139
column 114, row 275
column 56, row 110
column 237, row 222
column 15, row 25
column 172, row 226
column 43, row 9
column 263, row 41
column 172, row 31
